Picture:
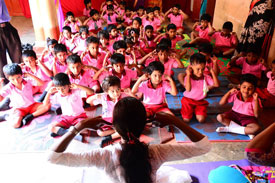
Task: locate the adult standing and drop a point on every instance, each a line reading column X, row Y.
column 9, row 39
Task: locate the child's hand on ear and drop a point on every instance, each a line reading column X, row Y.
column 144, row 77
column 52, row 90
column 189, row 71
column 214, row 59
column 73, row 86
column 233, row 90
column 167, row 77
column 255, row 96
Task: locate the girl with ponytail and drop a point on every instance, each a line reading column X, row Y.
column 130, row 161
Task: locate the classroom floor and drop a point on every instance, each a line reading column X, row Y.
column 221, row 151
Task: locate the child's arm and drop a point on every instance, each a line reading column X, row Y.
column 134, row 57
column 215, row 79
column 185, row 16
column 37, row 80
column 105, row 58
column 159, row 36
column 88, row 90
column 224, row 99
column 216, row 68
column 211, row 29
column 195, row 25
column 187, row 84
column 90, row 100
column 54, row 67
column 45, row 69
column 86, row 21
column 90, row 67
column 181, row 77
column 257, row 106
column 146, row 57
column 180, row 64
column 51, row 91
column 167, row 12
column 136, row 85
column 233, row 60
column 174, row 90
column 99, row 72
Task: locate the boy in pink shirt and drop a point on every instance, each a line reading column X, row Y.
column 20, row 91
column 114, row 35
column 92, row 56
column 147, row 42
column 118, row 69
column 111, row 15
column 242, row 119
column 112, row 94
column 150, row 19
column 69, row 96
column 225, row 41
column 66, row 38
column 72, row 22
column 153, row 88
column 59, row 63
column 177, row 16
column 196, row 84
column 94, row 22
column 79, row 41
column 48, row 53
column 88, row 8
column 268, row 94
column 104, row 45
column 104, row 5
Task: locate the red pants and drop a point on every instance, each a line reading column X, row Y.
column 189, row 106
column 268, row 99
column 67, row 121
column 153, row 109
column 21, row 112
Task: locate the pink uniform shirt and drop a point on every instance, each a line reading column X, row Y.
column 48, row 59
column 84, row 78
column 224, row 41
column 72, row 104
column 80, row 45
column 151, row 45
column 155, row 23
column 169, row 65
column 176, row 19
column 255, row 69
column 86, row 12
column 271, row 83
column 96, row 62
column 112, row 19
column 127, row 20
column 208, row 64
column 151, row 95
column 59, row 67
column 39, row 73
column 203, row 33
column 107, row 104
column 240, row 106
column 68, row 43
column 199, row 88
column 174, row 41
column 19, row 98
column 72, row 25
column 92, row 24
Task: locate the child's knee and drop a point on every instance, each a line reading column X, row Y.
column 220, row 117
column 186, row 120
column 17, row 123
column 200, row 118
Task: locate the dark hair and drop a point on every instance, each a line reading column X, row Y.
column 119, row 44
column 12, row 69
column 109, row 81
column 129, row 119
column 133, row 30
column 110, row 7
column 253, row 49
column 27, row 46
column 129, row 40
column 166, row 41
column 51, row 42
column 206, row 17
column 29, row 53
column 117, row 58
column 206, row 48
column 123, row 3
column 109, row 0
column 138, row 20
column 228, row 25
column 93, row 12
column 67, row 28
column 59, row 48
column 111, row 27
column 156, row 8
column 250, row 78
column 162, row 47
column 154, row 66
column 171, row 26
column 87, row 2
column 273, row 62
column 69, row 13
column 127, row 8
column 83, row 28
column 197, row 58
column 149, row 10
column 177, row 6
column 92, row 39
column 61, row 79
column 149, row 27
column 104, row 34
column 73, row 59
column 141, row 7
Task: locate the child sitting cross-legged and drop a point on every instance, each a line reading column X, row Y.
column 242, row 119
column 154, row 88
column 112, row 94
column 196, row 84
column 20, row 91
column 69, row 96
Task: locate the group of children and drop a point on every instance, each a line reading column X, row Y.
column 91, row 64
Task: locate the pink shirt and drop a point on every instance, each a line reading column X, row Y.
column 151, row 95
column 222, row 41
column 208, row 64
column 96, row 62
column 19, row 98
column 155, row 23
column 48, row 59
column 151, row 45
column 174, row 41
column 72, row 104
column 109, row 48
column 80, row 45
column 68, row 43
column 199, row 88
column 255, row 69
column 203, row 33
column 169, row 65
column 84, row 78
column 240, row 106
column 107, row 105
column 176, row 19
column 271, row 83
column 91, row 24
column 59, row 67
column 86, row 12
column 112, row 19
column 72, row 25
column 38, row 73
column 105, row 7
column 128, row 20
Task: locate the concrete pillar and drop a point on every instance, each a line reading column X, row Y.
column 49, row 18
column 36, row 20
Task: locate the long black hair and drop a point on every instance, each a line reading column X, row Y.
column 129, row 119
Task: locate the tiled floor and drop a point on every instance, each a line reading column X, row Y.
column 221, row 151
